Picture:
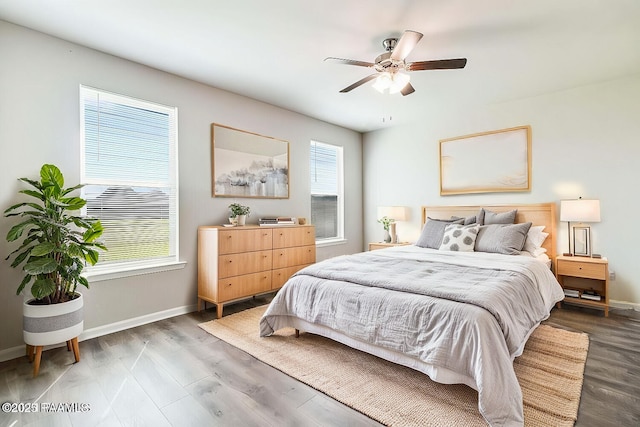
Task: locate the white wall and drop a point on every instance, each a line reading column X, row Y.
column 585, row 142
column 39, row 123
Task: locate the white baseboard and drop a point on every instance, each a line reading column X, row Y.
column 136, row 321
column 19, row 351
column 625, row 305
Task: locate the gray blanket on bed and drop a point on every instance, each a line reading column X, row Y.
column 470, row 315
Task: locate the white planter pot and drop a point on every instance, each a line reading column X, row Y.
column 53, row 323
column 241, row 219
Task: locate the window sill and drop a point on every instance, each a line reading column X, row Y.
column 118, row 273
column 330, row 242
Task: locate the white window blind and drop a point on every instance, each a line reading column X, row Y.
column 326, row 190
column 129, row 168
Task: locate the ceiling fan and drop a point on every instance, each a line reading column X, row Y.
column 388, row 66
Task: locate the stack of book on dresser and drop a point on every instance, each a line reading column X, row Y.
column 274, row 221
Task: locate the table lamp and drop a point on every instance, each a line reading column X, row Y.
column 580, row 211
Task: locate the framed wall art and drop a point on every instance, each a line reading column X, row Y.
column 487, row 162
column 246, row 164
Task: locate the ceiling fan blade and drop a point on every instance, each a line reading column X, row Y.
column 359, row 83
column 350, row 62
column 441, row 64
column 405, row 45
column 407, row 90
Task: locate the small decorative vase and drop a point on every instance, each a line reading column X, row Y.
column 233, row 220
column 387, row 236
column 392, row 231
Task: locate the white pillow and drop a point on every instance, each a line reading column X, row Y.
column 535, row 239
column 537, row 252
column 461, row 238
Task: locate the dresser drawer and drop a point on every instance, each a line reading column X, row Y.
column 245, row 263
column 289, row 257
column 242, row 286
column 236, row 241
column 582, row 269
column 281, row 275
column 296, row 236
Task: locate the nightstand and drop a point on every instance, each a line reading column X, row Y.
column 382, row 245
column 584, row 280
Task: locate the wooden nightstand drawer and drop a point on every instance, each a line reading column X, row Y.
column 382, row 245
column 582, row 269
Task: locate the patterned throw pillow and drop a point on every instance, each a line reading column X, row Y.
column 461, row 238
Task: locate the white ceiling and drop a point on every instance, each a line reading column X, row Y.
column 273, row 51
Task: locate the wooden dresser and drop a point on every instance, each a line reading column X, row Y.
column 239, row 262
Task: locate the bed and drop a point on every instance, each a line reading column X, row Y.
column 459, row 317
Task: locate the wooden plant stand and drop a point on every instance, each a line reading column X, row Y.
column 34, row 354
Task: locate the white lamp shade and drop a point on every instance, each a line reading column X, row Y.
column 393, row 81
column 581, row 210
column 400, row 80
column 398, row 213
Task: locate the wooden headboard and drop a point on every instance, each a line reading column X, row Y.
column 537, row 214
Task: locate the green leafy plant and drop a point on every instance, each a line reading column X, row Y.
column 386, row 221
column 238, row 209
column 57, row 244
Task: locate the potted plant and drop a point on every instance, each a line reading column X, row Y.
column 239, row 213
column 52, row 254
column 386, row 223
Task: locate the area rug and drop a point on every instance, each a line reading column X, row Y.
column 550, row 372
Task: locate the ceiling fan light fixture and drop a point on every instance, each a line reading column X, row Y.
column 383, row 82
column 399, row 80
column 393, row 82
column 393, row 60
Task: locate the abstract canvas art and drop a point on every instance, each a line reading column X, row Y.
column 246, row 164
column 486, row 162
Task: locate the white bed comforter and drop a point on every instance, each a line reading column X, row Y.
column 466, row 313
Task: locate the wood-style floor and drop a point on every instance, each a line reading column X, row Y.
column 172, row 373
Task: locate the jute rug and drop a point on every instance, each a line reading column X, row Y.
column 550, row 373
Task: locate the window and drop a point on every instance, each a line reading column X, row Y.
column 130, row 169
column 327, row 204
